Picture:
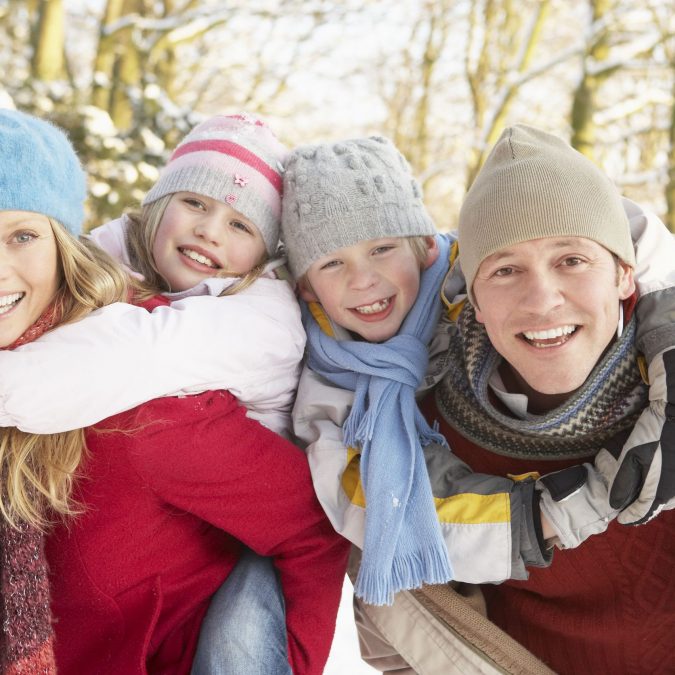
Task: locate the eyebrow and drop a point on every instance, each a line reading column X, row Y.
column 19, row 221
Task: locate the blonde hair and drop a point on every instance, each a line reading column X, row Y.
column 141, row 235
column 38, row 469
column 420, row 247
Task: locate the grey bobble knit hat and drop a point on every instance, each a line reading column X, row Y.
column 338, row 194
column 535, row 185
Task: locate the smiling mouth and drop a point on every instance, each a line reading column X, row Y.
column 375, row 307
column 552, row 337
column 199, row 257
column 9, row 302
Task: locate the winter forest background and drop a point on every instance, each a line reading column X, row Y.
column 128, row 78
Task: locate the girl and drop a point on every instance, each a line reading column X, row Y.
column 141, row 526
column 208, row 227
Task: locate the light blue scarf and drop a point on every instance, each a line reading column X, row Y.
column 403, row 546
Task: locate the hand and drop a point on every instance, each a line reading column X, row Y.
column 645, row 479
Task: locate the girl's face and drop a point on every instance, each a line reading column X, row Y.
column 29, row 271
column 199, row 237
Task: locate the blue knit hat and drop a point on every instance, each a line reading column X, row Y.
column 39, row 170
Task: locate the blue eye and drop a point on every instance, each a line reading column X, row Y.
column 24, row 237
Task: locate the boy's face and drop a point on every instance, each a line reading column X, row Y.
column 370, row 287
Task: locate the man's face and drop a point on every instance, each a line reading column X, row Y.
column 551, row 307
column 370, row 287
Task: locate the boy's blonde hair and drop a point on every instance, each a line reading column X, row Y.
column 141, row 235
column 38, row 469
column 419, row 248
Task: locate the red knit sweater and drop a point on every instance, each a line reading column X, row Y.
column 606, row 607
column 132, row 575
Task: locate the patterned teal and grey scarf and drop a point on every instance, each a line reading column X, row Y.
column 609, row 402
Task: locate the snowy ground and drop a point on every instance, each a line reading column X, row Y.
column 344, row 656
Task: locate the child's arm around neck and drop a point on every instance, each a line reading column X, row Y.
column 120, row 356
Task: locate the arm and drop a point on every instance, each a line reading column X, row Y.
column 645, row 479
column 574, row 502
column 240, row 477
column 250, row 343
column 490, row 524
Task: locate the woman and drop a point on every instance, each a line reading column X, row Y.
column 140, row 517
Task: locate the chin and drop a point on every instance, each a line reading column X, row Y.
column 377, row 336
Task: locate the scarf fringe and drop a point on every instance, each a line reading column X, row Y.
column 378, row 588
column 358, row 431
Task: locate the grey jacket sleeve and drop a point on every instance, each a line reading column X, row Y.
column 455, row 484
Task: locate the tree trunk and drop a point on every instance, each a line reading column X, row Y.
column 491, row 121
column 126, row 70
column 585, row 95
column 104, row 61
column 670, row 185
column 48, row 61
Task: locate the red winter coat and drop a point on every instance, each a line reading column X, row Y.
column 166, row 490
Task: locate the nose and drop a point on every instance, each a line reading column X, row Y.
column 541, row 293
column 210, row 228
column 362, row 276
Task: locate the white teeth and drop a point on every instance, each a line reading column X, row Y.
column 376, row 307
column 9, row 301
column 193, row 255
column 549, row 334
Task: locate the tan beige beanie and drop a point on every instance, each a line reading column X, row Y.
column 535, row 185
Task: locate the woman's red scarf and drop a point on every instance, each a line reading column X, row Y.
column 26, row 634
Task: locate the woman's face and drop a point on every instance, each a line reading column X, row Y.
column 29, row 271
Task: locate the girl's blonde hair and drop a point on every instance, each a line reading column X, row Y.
column 38, row 469
column 141, row 235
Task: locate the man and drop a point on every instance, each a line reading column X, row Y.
column 541, row 374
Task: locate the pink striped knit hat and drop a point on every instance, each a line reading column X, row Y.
column 235, row 159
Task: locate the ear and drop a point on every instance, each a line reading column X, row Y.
column 305, row 290
column 479, row 314
column 432, row 252
column 625, row 281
